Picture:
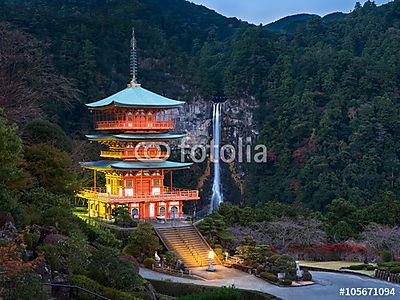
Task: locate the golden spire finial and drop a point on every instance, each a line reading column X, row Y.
column 133, row 82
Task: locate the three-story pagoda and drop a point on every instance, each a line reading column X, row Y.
column 134, row 123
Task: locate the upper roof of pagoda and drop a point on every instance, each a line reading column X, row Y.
column 136, row 96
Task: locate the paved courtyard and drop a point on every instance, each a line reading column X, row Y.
column 327, row 284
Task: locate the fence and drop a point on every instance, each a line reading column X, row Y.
column 386, row 275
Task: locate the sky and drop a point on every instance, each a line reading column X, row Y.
column 267, row 11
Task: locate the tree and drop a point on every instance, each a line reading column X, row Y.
column 108, row 269
column 70, row 256
column 45, row 132
column 11, row 174
column 23, row 285
column 143, row 241
column 122, row 217
column 214, row 228
column 50, row 167
column 285, row 264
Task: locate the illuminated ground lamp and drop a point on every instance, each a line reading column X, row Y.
column 211, row 258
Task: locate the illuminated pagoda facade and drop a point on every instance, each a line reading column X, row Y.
column 134, row 124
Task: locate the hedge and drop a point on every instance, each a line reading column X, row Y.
column 286, row 282
column 177, row 289
column 269, row 276
column 93, row 286
column 362, row 267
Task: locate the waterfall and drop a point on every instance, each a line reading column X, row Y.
column 216, row 197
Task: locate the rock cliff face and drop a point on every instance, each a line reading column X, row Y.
column 195, row 119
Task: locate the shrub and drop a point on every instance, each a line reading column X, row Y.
column 357, row 267
column 31, row 240
column 171, row 259
column 218, row 252
column 149, row 262
column 71, row 255
column 122, row 217
column 143, row 241
column 260, row 269
column 307, row 275
column 286, row 282
column 269, row 276
column 284, row 264
column 273, row 258
column 389, row 264
column 218, row 294
column 23, row 285
column 110, row 270
column 387, row 255
column 395, row 270
column 94, row 286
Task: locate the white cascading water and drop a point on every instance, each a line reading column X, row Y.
column 216, row 197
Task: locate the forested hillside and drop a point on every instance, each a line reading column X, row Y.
column 327, row 89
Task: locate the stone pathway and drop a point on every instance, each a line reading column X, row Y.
column 327, row 284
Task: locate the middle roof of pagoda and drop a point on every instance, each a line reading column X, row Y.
column 136, row 96
column 107, row 165
column 134, row 137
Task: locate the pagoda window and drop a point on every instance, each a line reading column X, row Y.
column 162, row 210
column 128, row 190
column 135, row 213
column 174, row 212
column 156, row 182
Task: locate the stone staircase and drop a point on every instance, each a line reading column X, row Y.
column 188, row 244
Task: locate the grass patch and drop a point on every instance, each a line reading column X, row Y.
column 336, row 266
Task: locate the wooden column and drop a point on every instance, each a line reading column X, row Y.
column 130, row 209
column 141, row 182
column 94, row 179
column 180, row 206
column 162, row 182
column 170, row 180
column 167, row 208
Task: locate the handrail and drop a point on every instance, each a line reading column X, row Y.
column 204, row 240
column 195, row 255
column 65, row 285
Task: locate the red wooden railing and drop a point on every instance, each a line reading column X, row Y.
column 167, row 194
column 135, row 154
column 135, row 124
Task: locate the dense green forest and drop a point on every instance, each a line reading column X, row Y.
column 327, row 95
column 327, row 88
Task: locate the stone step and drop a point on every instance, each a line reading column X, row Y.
column 187, row 243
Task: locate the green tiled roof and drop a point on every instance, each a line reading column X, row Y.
column 135, row 137
column 134, row 165
column 136, row 97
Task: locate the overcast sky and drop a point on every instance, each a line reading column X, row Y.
column 267, row 11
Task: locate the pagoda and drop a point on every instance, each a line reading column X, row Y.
column 134, row 124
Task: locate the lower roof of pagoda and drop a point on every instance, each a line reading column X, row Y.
column 105, row 165
column 134, row 137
